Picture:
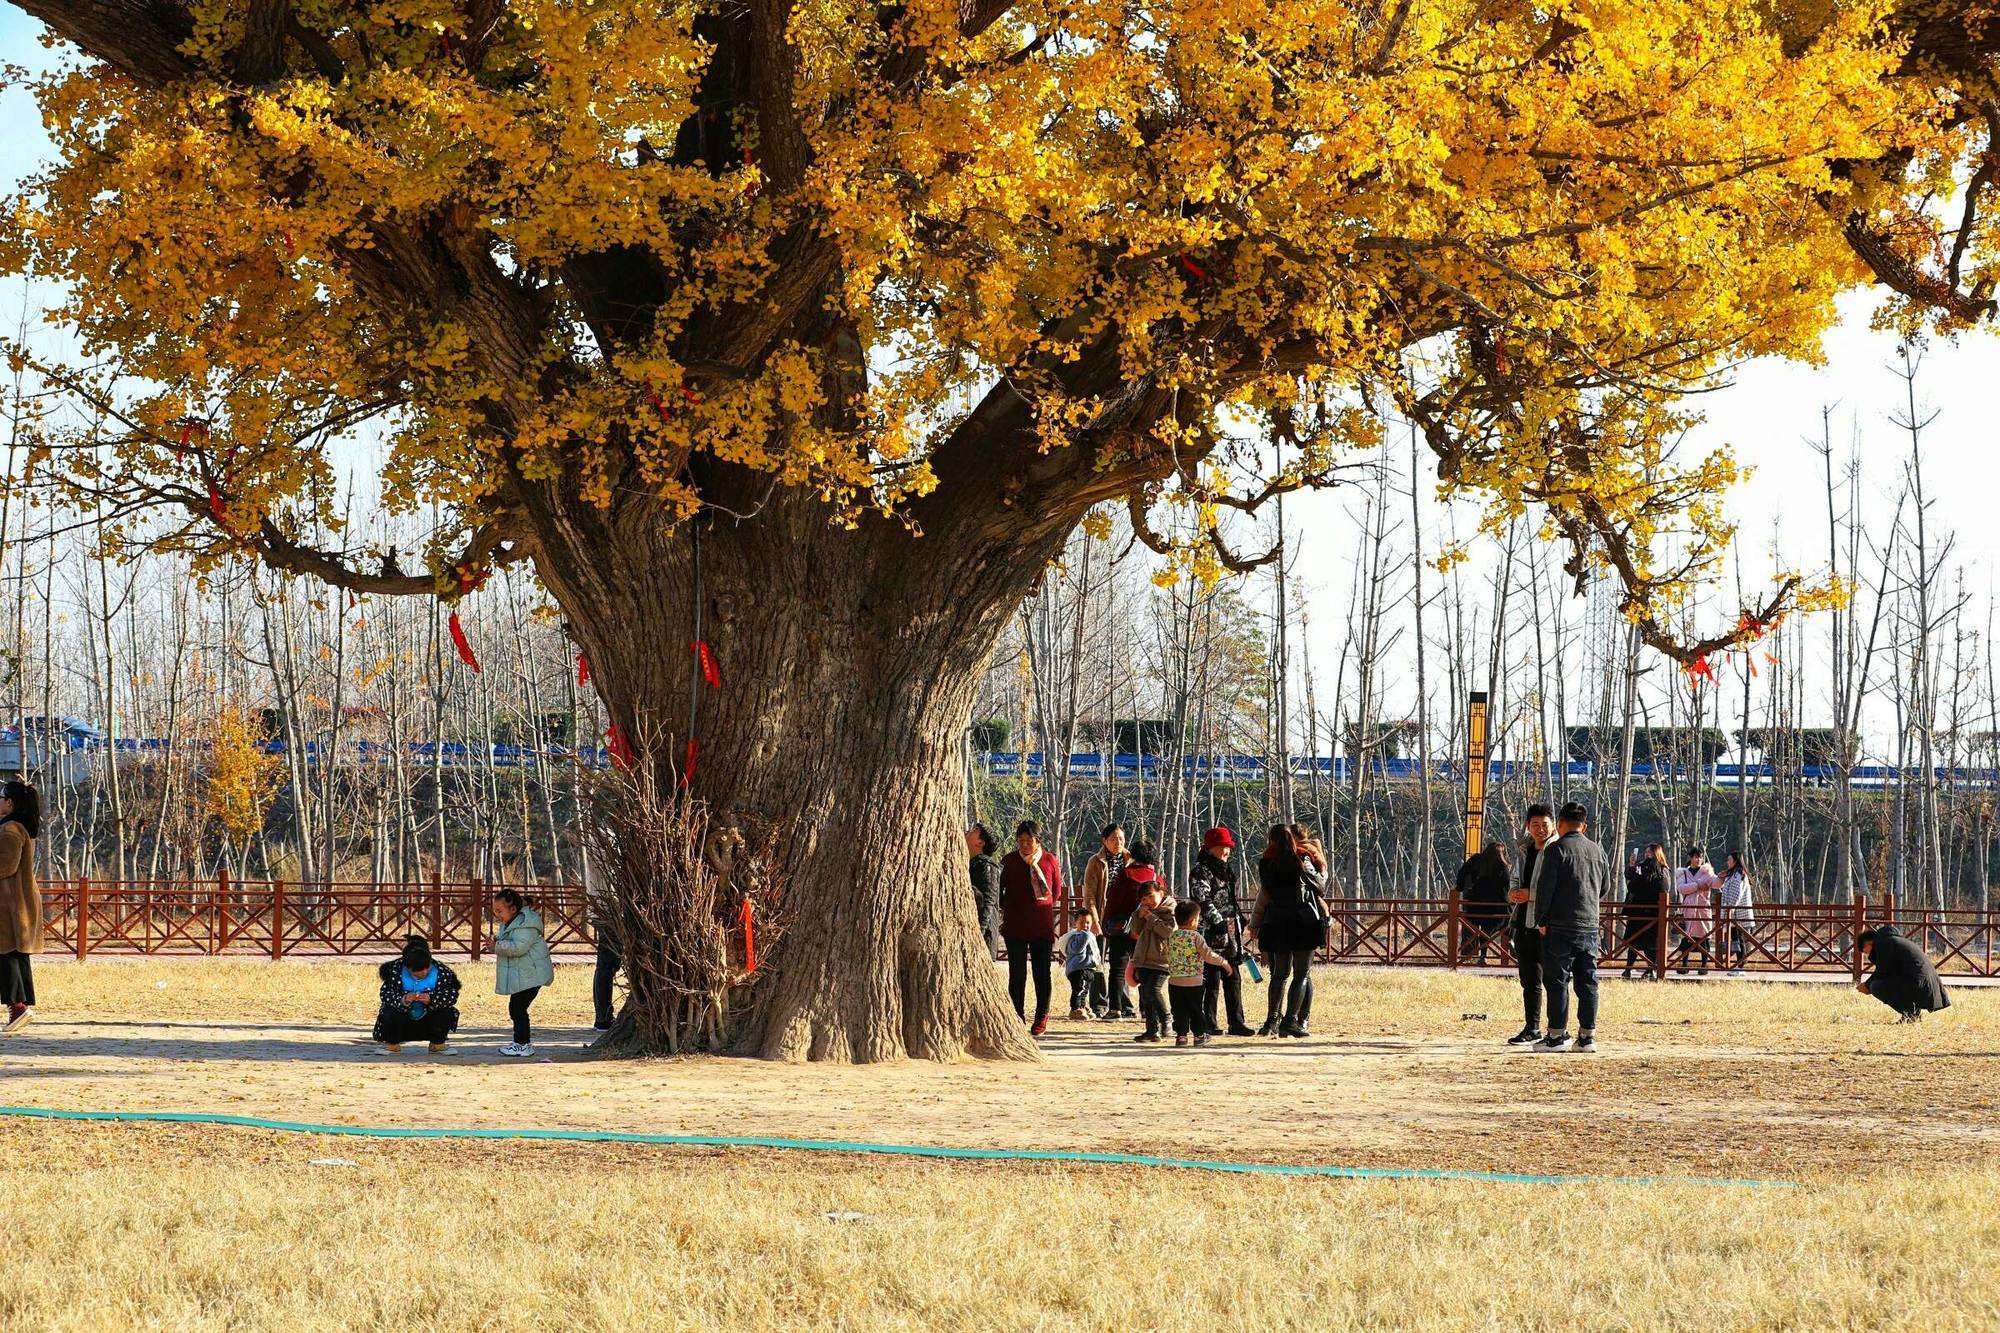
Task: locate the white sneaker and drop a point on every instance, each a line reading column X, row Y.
column 517, row 1048
column 18, row 1021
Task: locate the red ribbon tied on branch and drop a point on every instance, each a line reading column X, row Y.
column 463, row 644
column 693, row 757
column 1701, row 669
column 469, row 579
column 582, row 671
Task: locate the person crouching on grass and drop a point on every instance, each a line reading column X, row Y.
column 1904, row 978
column 522, row 963
column 1083, row 964
column 1187, row 956
column 419, row 999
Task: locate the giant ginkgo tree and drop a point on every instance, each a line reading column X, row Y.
column 828, row 322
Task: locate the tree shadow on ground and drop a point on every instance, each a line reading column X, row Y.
column 476, row 1045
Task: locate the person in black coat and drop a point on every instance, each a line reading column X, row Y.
column 419, row 998
column 1645, row 890
column 985, row 875
column 1904, row 978
column 1482, row 901
column 1290, row 927
column 1212, row 886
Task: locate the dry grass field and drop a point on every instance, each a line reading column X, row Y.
column 1886, row 1136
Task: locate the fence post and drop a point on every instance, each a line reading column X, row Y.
column 277, row 920
column 83, row 918
column 437, row 914
column 1451, row 928
column 478, row 915
column 1660, row 937
column 217, row 908
column 1860, row 924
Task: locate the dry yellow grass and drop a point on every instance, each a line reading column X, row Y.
column 1889, row 1131
column 186, row 1229
column 1403, row 1002
column 1734, row 1079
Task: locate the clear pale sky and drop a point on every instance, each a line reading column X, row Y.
column 1766, row 415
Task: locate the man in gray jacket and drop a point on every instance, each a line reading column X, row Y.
column 1576, row 876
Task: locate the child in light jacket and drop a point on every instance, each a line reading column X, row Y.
column 522, row 963
column 1083, row 964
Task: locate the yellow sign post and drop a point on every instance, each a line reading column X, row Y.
column 1475, row 773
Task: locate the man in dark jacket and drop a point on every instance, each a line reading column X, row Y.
column 1540, row 830
column 1904, row 978
column 1575, row 878
column 1213, row 887
column 1482, row 901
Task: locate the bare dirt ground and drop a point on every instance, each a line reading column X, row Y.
column 1406, row 1068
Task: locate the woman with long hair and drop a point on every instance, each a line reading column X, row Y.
column 1738, row 917
column 20, row 901
column 1645, row 891
column 1289, row 928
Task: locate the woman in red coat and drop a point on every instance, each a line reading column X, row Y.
column 1030, row 885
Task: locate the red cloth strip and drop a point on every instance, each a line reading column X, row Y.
column 465, row 654
column 621, row 749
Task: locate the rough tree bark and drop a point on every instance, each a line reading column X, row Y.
column 849, row 661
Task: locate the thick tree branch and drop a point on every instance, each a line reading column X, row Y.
column 260, row 56
column 139, row 38
column 493, row 544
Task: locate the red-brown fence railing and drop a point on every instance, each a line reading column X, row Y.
column 280, row 919
column 1778, row 938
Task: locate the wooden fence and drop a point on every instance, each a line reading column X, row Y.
column 276, row 919
column 1778, row 938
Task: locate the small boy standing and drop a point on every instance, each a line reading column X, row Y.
column 1186, row 952
column 1083, row 964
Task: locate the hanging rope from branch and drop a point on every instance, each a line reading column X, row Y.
column 707, row 674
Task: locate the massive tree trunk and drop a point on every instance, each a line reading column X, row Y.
column 848, row 660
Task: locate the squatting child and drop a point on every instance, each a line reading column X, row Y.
column 1186, row 952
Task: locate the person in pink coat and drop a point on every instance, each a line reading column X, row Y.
column 1694, row 887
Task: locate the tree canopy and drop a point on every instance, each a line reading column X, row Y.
column 921, row 259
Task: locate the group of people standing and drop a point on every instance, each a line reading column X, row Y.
column 1135, row 951
column 1552, row 913
column 1705, row 914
